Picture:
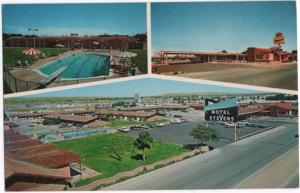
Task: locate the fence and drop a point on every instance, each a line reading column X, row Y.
column 17, row 85
column 254, row 133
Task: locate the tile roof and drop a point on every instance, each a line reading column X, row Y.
column 247, row 110
column 70, row 117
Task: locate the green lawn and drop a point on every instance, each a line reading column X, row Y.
column 98, row 154
column 141, row 60
column 12, row 55
column 122, row 123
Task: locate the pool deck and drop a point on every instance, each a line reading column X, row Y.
column 29, row 73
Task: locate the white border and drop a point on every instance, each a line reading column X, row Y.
column 266, row 89
column 163, row 77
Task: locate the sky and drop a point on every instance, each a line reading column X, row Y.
column 63, row 19
column 143, row 87
column 217, row 26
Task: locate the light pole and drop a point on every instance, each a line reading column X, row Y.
column 34, row 29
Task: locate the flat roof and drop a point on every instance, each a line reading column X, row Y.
column 156, row 107
column 125, row 113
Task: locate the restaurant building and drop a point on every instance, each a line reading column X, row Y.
column 267, row 55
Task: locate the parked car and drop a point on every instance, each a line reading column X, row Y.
column 124, row 129
column 136, row 127
column 241, row 124
column 177, row 116
column 183, row 120
column 160, row 124
column 212, row 122
column 176, row 121
column 221, row 122
column 262, row 125
column 150, row 125
column 145, row 127
column 229, row 124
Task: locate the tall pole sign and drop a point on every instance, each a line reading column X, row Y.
column 225, row 110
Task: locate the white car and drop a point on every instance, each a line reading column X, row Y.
column 228, row 124
column 159, row 124
column 177, row 121
column 124, row 129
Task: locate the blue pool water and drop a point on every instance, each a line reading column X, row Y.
column 83, row 65
column 84, row 133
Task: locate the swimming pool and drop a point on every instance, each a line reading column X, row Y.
column 81, row 65
column 84, row 133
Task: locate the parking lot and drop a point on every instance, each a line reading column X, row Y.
column 179, row 132
column 170, row 132
column 30, row 128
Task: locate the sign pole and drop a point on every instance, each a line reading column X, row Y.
column 234, row 131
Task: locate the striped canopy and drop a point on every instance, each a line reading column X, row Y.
column 32, row 52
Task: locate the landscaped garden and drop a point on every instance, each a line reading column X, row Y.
column 114, row 153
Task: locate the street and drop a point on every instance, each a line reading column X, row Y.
column 223, row 167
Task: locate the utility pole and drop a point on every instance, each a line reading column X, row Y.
column 34, row 29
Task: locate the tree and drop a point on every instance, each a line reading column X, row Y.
column 204, row 133
column 224, row 51
column 143, row 141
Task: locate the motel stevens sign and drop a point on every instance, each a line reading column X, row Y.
column 226, row 110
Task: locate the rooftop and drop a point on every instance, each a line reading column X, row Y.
column 70, row 117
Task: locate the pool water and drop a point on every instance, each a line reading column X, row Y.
column 82, row 65
column 84, row 133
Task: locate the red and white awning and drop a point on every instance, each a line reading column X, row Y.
column 32, row 52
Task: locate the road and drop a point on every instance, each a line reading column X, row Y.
column 223, row 167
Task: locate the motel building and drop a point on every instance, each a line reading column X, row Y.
column 155, row 108
column 200, row 57
column 252, row 54
column 26, row 116
column 281, row 109
column 106, row 114
column 35, row 166
column 72, row 119
column 122, row 42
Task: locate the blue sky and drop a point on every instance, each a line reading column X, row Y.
column 144, row 87
column 90, row 19
column 216, row 26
